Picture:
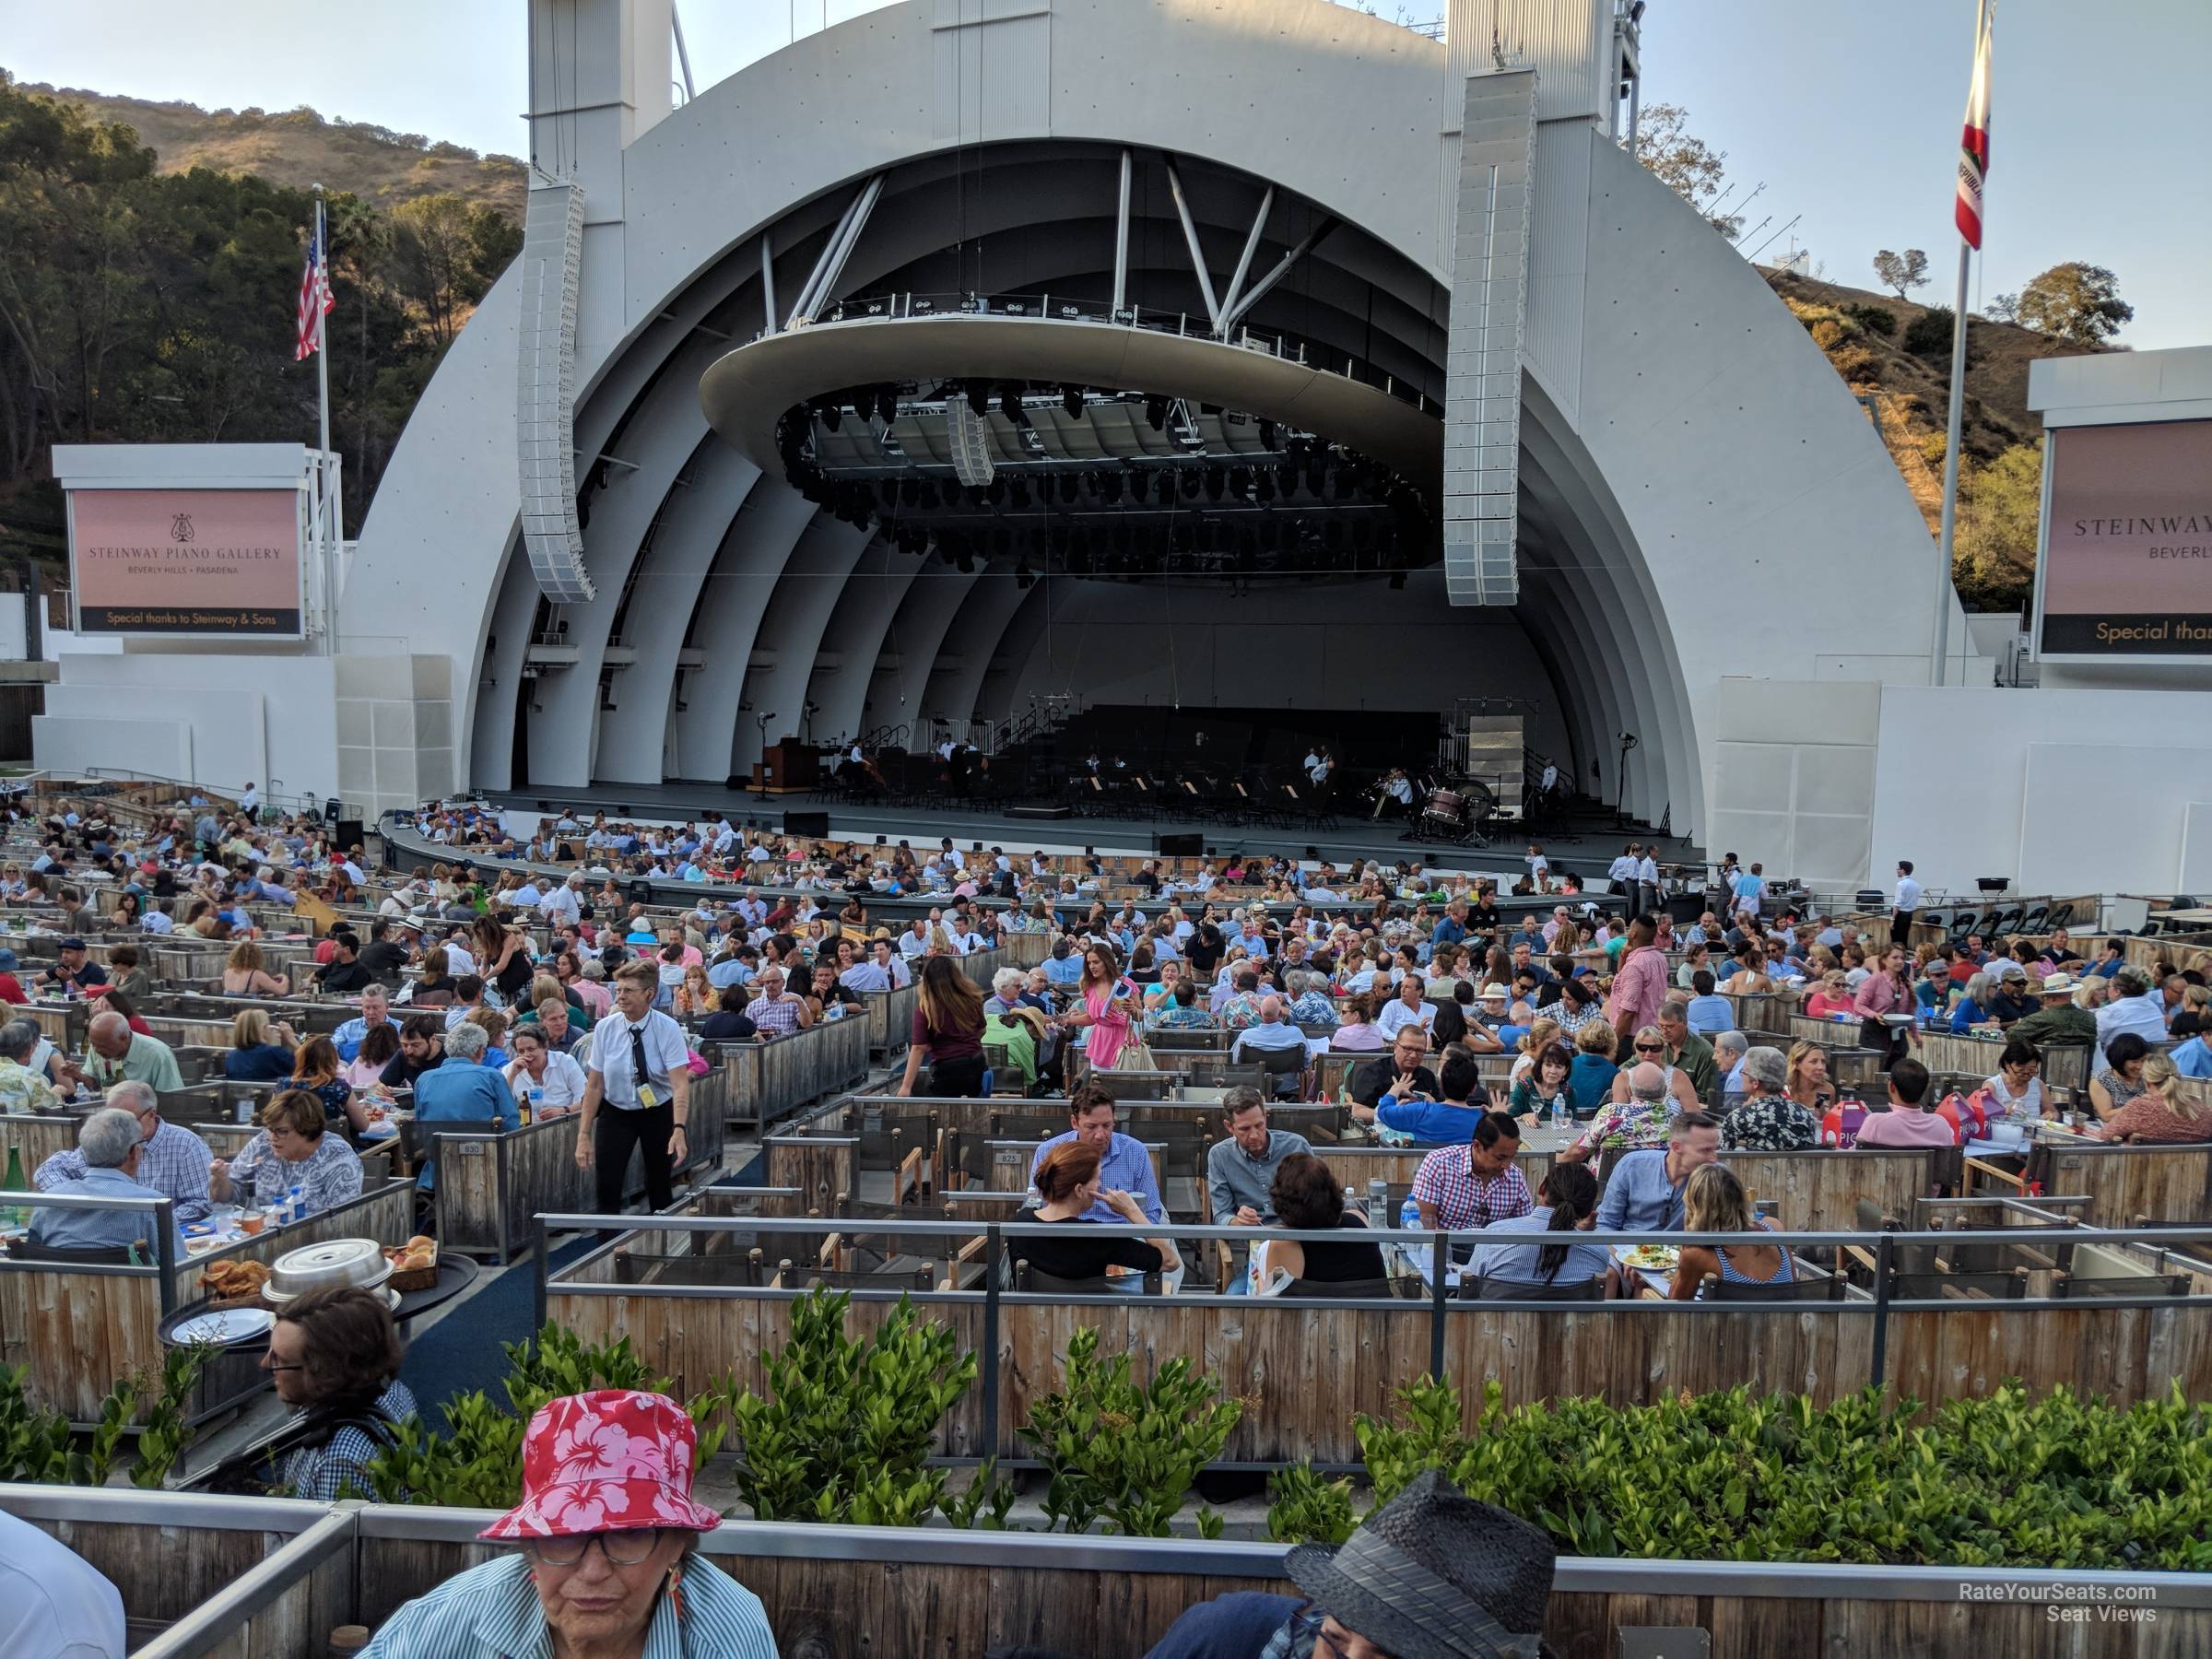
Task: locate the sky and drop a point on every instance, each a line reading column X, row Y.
column 1848, row 115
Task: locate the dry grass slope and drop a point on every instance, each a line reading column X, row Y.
column 1912, row 394
column 299, row 147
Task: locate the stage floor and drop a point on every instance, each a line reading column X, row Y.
column 1587, row 854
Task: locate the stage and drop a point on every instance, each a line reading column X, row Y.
column 1586, row 853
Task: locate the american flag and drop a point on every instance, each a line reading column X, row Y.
column 315, row 298
column 1973, row 144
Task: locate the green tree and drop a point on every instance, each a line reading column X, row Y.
column 1899, row 272
column 1686, row 164
column 2076, row 301
column 447, row 254
column 2000, row 504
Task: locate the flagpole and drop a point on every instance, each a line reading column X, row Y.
column 327, row 548
column 1944, row 591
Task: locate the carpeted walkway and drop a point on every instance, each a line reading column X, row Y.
column 463, row 1351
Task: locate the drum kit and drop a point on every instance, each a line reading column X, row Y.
column 1454, row 810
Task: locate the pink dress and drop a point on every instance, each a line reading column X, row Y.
column 1109, row 1029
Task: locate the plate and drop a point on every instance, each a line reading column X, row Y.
column 229, row 1325
column 1652, row 1258
column 380, row 1131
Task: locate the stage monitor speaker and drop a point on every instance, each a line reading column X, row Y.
column 1180, row 846
column 812, row 824
column 348, row 832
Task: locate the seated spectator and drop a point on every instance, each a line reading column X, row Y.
column 336, row 1359
column 315, row 1070
column 1448, row 1121
column 1728, row 1050
column 1640, row 1118
column 1021, row 1032
column 776, row 1012
column 2192, row 1059
column 125, row 977
column 1650, row 1046
column 378, row 1049
column 1272, row 1033
column 1305, row 1194
column 1715, row 1202
column 1067, row 1192
column 1544, row 1091
column 549, row 1082
column 1643, row 1193
column 109, row 1148
column 291, row 1149
column 1976, row 1007
column 1828, row 999
column 558, row 1592
column 1907, row 1123
column 2161, row 1112
column 1470, row 1186
column 1123, row 1162
column 1400, row 1075
column 2120, row 1079
column 172, row 1159
column 1428, row 1561
column 1239, row 1170
column 256, row 1055
column 434, row 986
column 1709, row 1013
column 421, row 1048
column 23, row 1087
column 247, row 973
column 728, row 1022
column 11, row 988
column 1567, row 1202
column 376, row 1010
column 1359, row 1032
column 116, row 1052
column 1809, row 1084
column 53, row 1604
column 1767, row 1119
column 2013, row 1092
column 463, row 1090
column 1591, row 1081
column 1005, row 985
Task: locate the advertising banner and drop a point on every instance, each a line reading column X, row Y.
column 187, row 561
column 2126, row 563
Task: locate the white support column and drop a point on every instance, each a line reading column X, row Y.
column 1252, row 246
column 1120, row 241
column 1190, row 236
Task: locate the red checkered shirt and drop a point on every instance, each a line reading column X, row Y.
column 1462, row 1199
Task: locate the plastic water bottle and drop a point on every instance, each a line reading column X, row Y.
column 295, row 1203
column 1409, row 1215
column 1560, row 1118
column 1378, row 1199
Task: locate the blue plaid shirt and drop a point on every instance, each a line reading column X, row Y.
column 173, row 1162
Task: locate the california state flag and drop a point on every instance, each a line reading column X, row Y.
column 1973, row 145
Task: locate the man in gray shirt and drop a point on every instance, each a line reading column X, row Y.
column 1239, row 1170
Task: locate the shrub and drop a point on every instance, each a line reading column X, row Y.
column 2064, row 1481
column 848, row 1435
column 1831, row 332
column 1879, row 318
column 1857, row 365
column 39, row 1446
column 1933, row 447
column 478, row 1463
column 1929, row 334
column 1124, row 1454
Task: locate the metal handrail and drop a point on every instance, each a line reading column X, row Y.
column 1062, row 309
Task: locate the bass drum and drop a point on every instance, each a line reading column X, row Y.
column 1445, row 807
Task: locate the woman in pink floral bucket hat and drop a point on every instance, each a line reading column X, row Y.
column 608, row 1568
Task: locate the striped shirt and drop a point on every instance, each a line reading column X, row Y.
column 492, row 1612
column 173, row 1162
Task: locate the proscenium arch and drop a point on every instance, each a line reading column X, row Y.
column 1655, row 292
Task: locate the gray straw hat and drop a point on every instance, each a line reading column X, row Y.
column 1434, row 1574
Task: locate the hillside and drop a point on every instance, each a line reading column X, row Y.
column 1911, row 393
column 299, row 147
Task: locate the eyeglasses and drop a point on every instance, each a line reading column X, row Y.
column 1651, row 1047
column 620, row 1549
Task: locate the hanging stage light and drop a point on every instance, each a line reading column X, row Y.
column 1071, row 399
column 832, row 416
column 864, row 402
column 1216, row 481
column 1267, row 434
column 979, row 396
column 1155, row 414
column 1010, row 402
